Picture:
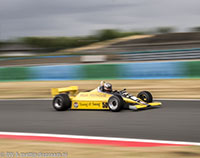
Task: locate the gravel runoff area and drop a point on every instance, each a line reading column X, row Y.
column 168, row 88
column 72, row 150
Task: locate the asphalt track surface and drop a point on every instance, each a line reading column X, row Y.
column 176, row 120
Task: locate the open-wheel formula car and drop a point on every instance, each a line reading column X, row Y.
column 70, row 98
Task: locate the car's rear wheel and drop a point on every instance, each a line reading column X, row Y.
column 145, row 96
column 61, row 102
column 115, row 103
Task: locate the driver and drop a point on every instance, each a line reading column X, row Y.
column 105, row 87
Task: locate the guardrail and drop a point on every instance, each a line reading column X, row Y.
column 35, row 57
column 169, row 54
column 142, row 70
column 172, row 54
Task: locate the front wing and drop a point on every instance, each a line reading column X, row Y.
column 149, row 105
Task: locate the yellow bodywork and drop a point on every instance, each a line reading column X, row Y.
column 93, row 99
column 72, row 90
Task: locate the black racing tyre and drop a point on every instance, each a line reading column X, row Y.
column 61, row 102
column 145, row 96
column 115, row 103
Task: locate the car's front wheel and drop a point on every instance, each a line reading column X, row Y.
column 61, row 102
column 115, row 103
column 145, row 96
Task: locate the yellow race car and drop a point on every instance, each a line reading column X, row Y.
column 70, row 98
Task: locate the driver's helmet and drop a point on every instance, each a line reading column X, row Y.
column 108, row 87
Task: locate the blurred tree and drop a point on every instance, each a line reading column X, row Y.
column 163, row 30
column 56, row 43
column 196, row 29
column 2, row 43
column 108, row 34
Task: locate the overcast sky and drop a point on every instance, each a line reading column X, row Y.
column 80, row 17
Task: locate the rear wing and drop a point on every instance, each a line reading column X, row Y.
column 71, row 89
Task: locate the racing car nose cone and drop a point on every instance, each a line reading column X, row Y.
column 131, row 107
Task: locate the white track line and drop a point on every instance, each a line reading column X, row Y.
column 179, row 99
column 99, row 138
column 52, row 99
column 26, row 99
